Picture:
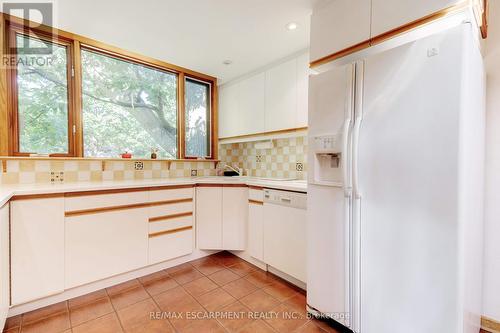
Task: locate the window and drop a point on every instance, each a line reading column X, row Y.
column 42, row 98
column 197, row 118
column 127, row 107
column 72, row 96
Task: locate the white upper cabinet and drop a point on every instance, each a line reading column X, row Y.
column 391, row 14
column 271, row 100
column 342, row 24
column 251, row 105
column 228, row 110
column 339, row 25
column 302, row 89
column 281, row 96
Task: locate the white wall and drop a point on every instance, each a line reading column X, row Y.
column 491, row 287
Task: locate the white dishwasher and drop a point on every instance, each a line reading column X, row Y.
column 285, row 232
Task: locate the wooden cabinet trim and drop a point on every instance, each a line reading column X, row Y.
column 161, row 233
column 400, row 30
column 170, row 202
column 36, row 196
column 173, row 187
column 101, row 192
column 255, row 202
column 169, row 217
column 104, row 209
column 253, row 187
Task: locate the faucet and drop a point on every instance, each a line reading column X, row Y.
column 239, row 171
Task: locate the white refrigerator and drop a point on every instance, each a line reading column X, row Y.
column 395, row 188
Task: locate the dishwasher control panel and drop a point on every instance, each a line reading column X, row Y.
column 285, row 198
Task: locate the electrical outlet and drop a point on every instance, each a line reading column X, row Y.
column 258, row 158
column 299, row 166
column 56, row 177
column 194, row 173
column 139, row 165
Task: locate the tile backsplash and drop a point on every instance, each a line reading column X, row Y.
column 46, row 171
column 286, row 159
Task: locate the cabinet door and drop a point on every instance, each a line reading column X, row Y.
column 105, row 244
column 339, row 25
column 209, row 217
column 228, row 110
column 281, row 96
column 37, row 234
column 302, row 89
column 234, row 217
column 256, row 230
column 4, row 264
column 251, row 105
column 285, row 239
column 391, row 14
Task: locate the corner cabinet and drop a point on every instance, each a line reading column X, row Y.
column 272, row 100
column 37, row 248
column 221, row 216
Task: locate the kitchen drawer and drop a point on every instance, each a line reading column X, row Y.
column 174, row 193
column 170, row 209
column 171, row 223
column 256, row 195
column 170, row 245
column 80, row 201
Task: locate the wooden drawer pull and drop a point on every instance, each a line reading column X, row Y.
column 104, row 209
column 169, row 217
column 170, row 202
column 255, row 202
column 161, row 233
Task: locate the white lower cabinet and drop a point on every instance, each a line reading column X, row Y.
column 256, row 224
column 221, row 217
column 37, row 248
column 234, row 217
column 4, row 264
column 209, row 217
column 105, row 244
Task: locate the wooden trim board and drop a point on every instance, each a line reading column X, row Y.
column 161, row 233
column 169, row 217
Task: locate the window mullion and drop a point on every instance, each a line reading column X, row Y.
column 77, row 99
column 181, row 112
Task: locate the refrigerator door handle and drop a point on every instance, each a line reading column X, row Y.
column 358, row 107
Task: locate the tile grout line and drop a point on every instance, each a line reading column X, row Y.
column 115, row 312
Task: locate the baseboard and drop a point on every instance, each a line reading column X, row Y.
column 105, row 283
column 490, row 325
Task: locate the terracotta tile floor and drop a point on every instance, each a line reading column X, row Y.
column 221, row 284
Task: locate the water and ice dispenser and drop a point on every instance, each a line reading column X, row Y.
column 328, row 159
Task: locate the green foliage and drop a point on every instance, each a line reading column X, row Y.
column 126, row 107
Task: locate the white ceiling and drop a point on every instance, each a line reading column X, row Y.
column 197, row 34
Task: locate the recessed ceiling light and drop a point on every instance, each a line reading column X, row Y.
column 227, row 62
column 292, row 26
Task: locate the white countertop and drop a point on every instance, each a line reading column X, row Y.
column 7, row 191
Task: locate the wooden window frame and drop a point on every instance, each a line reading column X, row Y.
column 13, row 31
column 210, row 126
column 75, row 43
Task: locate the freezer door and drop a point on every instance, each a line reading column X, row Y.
column 330, row 113
column 407, row 187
